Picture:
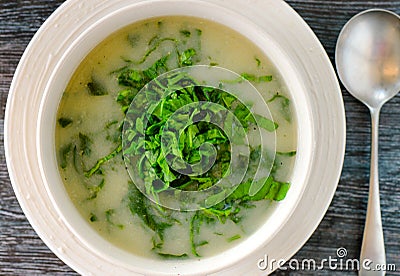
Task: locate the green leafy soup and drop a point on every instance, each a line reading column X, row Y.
column 163, row 163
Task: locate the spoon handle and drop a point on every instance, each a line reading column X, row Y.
column 373, row 247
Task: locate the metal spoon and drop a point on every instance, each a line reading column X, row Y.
column 368, row 63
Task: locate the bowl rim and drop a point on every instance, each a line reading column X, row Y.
column 12, row 167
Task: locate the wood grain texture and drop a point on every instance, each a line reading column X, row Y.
column 23, row 253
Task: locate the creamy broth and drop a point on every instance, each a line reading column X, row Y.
column 89, row 128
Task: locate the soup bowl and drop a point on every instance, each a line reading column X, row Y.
column 63, row 42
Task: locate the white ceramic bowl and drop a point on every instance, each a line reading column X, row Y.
column 69, row 35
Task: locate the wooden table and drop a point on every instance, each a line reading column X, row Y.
column 23, row 253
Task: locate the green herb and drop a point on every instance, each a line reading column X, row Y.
column 93, row 217
column 102, row 160
column 110, row 124
column 94, row 190
column 64, row 122
column 172, row 256
column 135, row 80
column 109, row 215
column 133, row 39
column 186, row 150
column 65, row 151
column 157, row 43
column 185, row 33
column 84, row 143
column 266, row 124
column 283, row 189
column 258, row 61
column 80, row 147
column 284, row 106
column 195, row 224
column 251, row 77
column 202, row 243
column 186, row 57
column 233, row 238
column 277, row 191
column 288, row 153
column 95, row 88
column 142, row 207
column 77, row 160
column 280, row 159
column 113, row 134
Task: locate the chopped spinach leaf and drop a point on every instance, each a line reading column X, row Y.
column 99, row 162
column 288, row 153
column 280, row 159
column 172, row 256
column 284, row 106
column 233, row 238
column 133, row 39
column 185, row 33
column 64, row 122
column 93, row 217
column 250, row 77
column 109, row 215
column 65, row 151
column 157, row 42
column 84, row 143
column 186, row 57
column 95, row 88
column 94, row 190
column 283, row 189
column 142, row 207
column 266, row 124
column 195, row 224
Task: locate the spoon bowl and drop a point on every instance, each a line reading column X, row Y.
column 368, row 64
column 368, row 56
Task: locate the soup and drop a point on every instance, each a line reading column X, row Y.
column 107, row 144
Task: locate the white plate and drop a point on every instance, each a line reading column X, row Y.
column 298, row 45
